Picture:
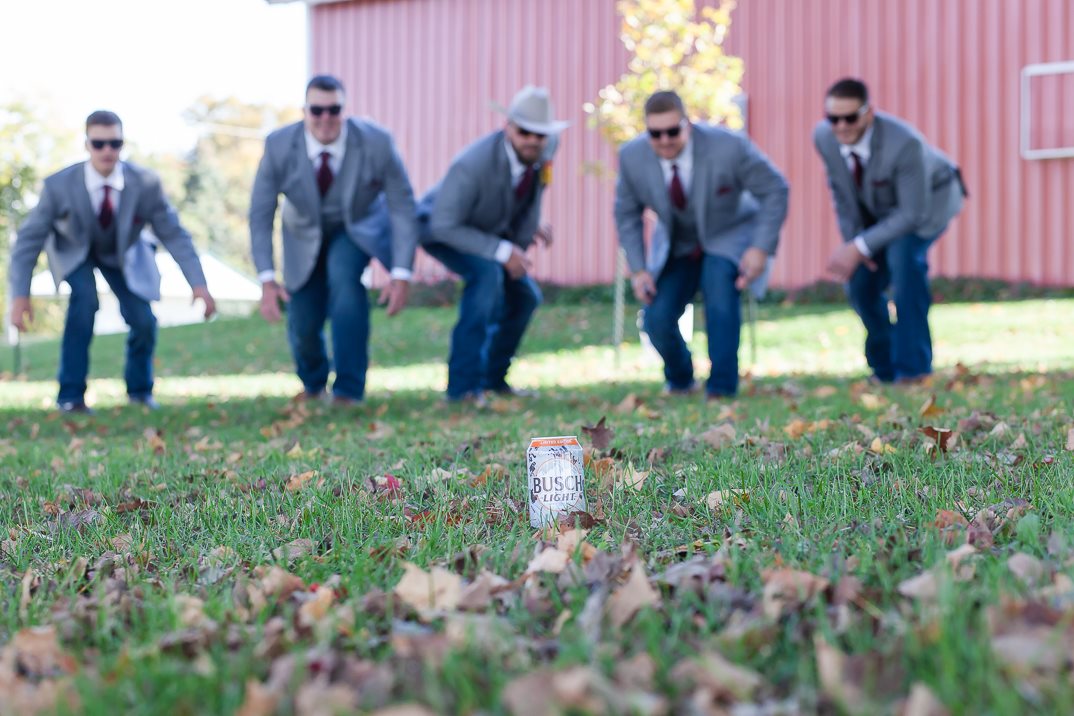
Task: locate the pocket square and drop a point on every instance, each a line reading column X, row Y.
column 375, row 184
column 724, row 190
column 880, row 182
column 137, row 219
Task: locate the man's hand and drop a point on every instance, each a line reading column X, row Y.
column 395, row 295
column 272, row 294
column 750, row 267
column 518, row 265
column 644, row 287
column 543, row 235
column 844, row 261
column 202, row 292
column 21, row 312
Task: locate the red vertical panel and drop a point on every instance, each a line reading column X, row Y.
column 427, row 70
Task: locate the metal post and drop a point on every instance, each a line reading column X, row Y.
column 620, row 304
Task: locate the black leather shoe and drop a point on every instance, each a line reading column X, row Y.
column 74, row 406
column 146, row 401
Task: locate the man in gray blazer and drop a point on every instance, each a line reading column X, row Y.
column 91, row 216
column 720, row 205
column 894, row 196
column 346, row 199
column 479, row 221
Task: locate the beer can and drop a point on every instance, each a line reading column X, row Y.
column 556, row 480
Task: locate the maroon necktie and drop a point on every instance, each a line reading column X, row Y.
column 857, row 168
column 525, row 183
column 106, row 213
column 675, row 191
column 324, row 174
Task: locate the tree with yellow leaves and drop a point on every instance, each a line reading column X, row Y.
column 672, row 50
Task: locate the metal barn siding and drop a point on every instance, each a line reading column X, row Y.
column 429, row 69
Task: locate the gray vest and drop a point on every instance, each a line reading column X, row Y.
column 332, row 208
column 684, row 238
column 103, row 246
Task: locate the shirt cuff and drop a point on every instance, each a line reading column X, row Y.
column 862, row 247
column 266, row 276
column 402, row 274
column 503, row 251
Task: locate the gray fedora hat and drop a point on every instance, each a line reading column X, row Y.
column 531, row 109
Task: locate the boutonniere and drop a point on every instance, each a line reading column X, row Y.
column 546, row 174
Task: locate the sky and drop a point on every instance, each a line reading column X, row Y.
column 148, row 60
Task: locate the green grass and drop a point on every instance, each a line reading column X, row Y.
column 210, row 471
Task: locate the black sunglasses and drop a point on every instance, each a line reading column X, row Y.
column 851, row 118
column 527, row 133
column 672, row 132
column 102, row 143
column 333, row 109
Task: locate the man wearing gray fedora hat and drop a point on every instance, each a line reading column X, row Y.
column 479, row 221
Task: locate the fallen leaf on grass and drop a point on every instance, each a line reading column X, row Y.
column 297, row 482
column 719, row 499
column 629, row 477
column 294, row 549
column 943, row 438
column 1070, row 440
column 723, row 680
column 719, row 436
column 429, row 593
column 926, row 586
column 922, row 702
column 631, row 597
column 787, row 590
column 600, row 435
column 1027, row 568
column 549, row 559
column 860, row 684
column 930, row 408
column 879, row 447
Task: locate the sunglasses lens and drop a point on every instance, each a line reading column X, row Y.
column 333, row 109
column 672, row 132
column 102, row 143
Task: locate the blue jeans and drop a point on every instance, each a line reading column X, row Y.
column 334, row 292
column 493, row 314
column 905, row 349
column 675, row 287
column 78, row 333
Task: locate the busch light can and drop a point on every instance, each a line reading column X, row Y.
column 556, row 480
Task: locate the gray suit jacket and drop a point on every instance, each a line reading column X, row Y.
column 378, row 203
column 907, row 186
column 470, row 209
column 738, row 196
column 61, row 225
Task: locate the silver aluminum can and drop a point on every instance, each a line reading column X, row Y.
column 556, row 481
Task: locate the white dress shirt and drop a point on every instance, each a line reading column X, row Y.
column 96, row 182
column 861, row 148
column 685, row 164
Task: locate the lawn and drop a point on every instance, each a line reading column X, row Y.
column 819, row 545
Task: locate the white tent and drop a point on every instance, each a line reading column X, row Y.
column 235, row 294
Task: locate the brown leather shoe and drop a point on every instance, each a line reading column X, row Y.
column 307, row 397
column 342, row 401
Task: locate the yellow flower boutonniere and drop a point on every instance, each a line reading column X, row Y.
column 546, row 174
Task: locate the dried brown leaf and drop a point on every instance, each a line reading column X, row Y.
column 719, row 436
column 787, row 590
column 600, row 435
column 631, row 597
column 429, row 593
